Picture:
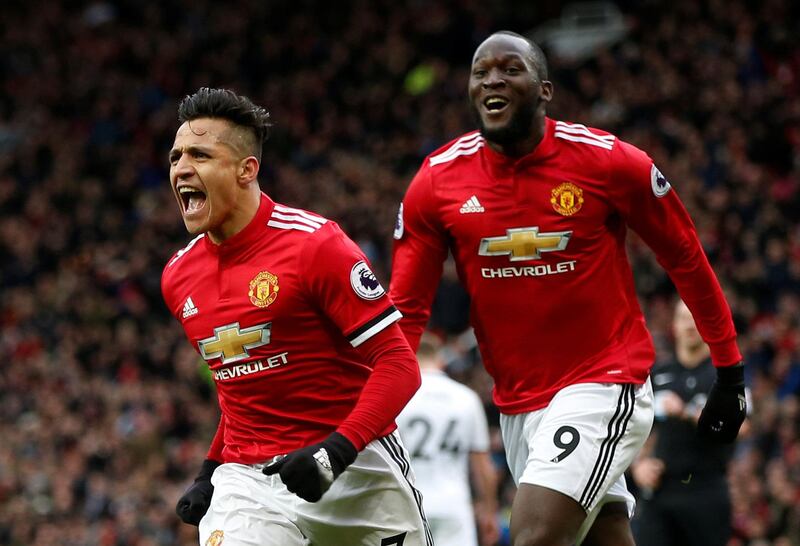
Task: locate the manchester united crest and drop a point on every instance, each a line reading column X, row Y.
column 263, row 289
column 566, row 198
column 215, row 539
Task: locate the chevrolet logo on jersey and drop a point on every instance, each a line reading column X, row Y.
column 524, row 243
column 232, row 343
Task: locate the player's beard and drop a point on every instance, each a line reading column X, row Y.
column 518, row 128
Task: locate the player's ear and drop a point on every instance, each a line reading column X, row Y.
column 248, row 170
column 547, row 91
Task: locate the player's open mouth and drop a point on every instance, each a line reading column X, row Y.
column 192, row 198
column 495, row 104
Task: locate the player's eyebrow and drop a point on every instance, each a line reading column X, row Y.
column 191, row 149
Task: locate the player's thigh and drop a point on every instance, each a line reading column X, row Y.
column 540, row 515
column 373, row 503
column 611, row 527
column 543, row 516
column 581, row 444
column 249, row 509
column 616, row 507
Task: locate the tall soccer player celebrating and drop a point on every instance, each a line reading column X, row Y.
column 310, row 365
column 535, row 213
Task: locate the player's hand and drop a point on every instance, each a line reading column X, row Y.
column 310, row 471
column 194, row 503
column 672, row 403
column 647, row 472
column 726, row 406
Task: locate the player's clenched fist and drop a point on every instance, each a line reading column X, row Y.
column 726, row 406
column 194, row 503
column 310, row 471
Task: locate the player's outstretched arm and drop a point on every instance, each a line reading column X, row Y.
column 726, row 407
column 418, row 254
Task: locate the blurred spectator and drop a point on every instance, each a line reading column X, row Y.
column 682, row 495
column 104, row 413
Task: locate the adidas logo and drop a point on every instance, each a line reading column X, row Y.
column 471, row 205
column 189, row 310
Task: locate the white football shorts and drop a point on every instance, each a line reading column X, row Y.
column 372, row 503
column 582, row 443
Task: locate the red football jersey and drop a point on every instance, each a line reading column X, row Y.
column 277, row 311
column 539, row 244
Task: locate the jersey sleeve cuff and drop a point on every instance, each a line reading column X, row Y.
column 353, row 437
column 725, row 353
column 389, row 316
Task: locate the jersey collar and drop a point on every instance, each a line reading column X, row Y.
column 543, row 150
column 251, row 231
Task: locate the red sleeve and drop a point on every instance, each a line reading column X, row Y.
column 653, row 210
column 215, row 451
column 420, row 248
column 394, row 380
column 344, row 287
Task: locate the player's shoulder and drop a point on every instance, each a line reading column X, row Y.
column 298, row 223
column 183, row 265
column 181, row 258
column 597, row 146
column 461, row 150
column 580, row 137
column 306, row 234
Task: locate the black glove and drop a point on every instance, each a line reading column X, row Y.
column 310, row 471
column 194, row 503
column 726, row 407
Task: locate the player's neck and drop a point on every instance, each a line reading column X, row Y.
column 242, row 214
column 524, row 146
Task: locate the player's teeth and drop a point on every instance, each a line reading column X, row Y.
column 495, row 103
column 196, row 201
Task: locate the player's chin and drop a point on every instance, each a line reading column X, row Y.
column 495, row 127
column 195, row 226
column 496, row 123
column 501, row 133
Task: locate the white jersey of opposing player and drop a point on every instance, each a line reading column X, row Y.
column 440, row 426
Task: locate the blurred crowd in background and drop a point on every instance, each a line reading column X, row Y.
column 105, row 411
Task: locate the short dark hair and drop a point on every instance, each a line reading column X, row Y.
column 429, row 345
column 224, row 104
column 537, row 56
